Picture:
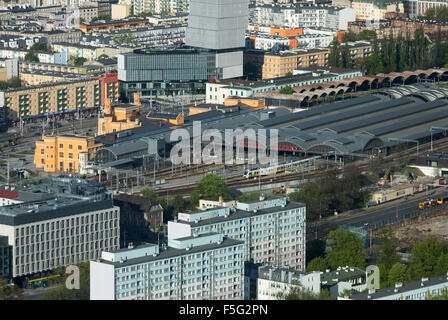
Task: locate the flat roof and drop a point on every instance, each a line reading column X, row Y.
column 406, row 287
column 240, row 214
column 172, row 253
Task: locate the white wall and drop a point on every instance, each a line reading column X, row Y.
column 178, row 230
column 102, row 281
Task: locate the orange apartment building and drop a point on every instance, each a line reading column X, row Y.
column 281, row 64
column 61, row 153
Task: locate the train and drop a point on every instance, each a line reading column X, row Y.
column 432, row 202
column 256, row 172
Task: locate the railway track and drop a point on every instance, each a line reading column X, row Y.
column 239, row 181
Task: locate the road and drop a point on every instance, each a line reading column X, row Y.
column 378, row 218
column 37, row 293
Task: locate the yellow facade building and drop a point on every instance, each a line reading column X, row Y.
column 120, row 117
column 52, row 97
column 281, row 64
column 61, row 153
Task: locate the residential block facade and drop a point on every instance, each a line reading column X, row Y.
column 57, row 97
column 207, row 266
column 273, row 230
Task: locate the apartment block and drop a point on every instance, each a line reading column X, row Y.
column 62, row 153
column 273, row 230
column 417, row 8
column 75, row 225
column 207, row 266
column 302, row 16
column 282, row 63
column 273, row 281
column 50, row 98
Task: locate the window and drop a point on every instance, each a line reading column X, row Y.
column 70, row 155
column 61, row 145
column 79, row 147
column 70, row 146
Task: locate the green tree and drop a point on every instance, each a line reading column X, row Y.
column 178, row 203
column 39, row 46
column 366, row 35
column 194, row 198
column 442, row 296
column 10, row 291
column 287, row 90
column 124, row 38
column 61, row 292
column 387, row 244
column 297, row 292
column 212, row 187
column 149, row 193
column 442, row 264
column 315, row 249
column 397, row 274
column 30, row 56
column 424, row 258
column 346, row 249
column 317, row 264
column 79, row 61
column 334, row 58
column 103, row 56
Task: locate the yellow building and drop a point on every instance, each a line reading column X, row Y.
column 29, row 66
column 35, row 78
column 253, row 103
column 61, row 153
column 169, row 118
column 120, row 117
column 285, row 62
column 52, row 97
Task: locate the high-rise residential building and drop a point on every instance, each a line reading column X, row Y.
column 207, row 266
column 75, row 225
column 273, row 230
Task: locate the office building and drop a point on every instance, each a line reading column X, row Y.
column 214, row 50
column 207, row 266
column 273, row 230
column 5, row 257
column 75, row 225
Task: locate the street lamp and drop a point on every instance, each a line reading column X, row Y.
column 437, row 128
column 404, row 140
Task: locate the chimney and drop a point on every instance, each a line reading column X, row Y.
column 283, row 276
column 107, row 107
column 220, row 201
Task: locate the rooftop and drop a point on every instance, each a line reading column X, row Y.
column 399, row 289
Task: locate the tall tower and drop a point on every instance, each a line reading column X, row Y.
column 217, row 24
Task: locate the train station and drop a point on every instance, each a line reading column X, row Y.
column 351, row 129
